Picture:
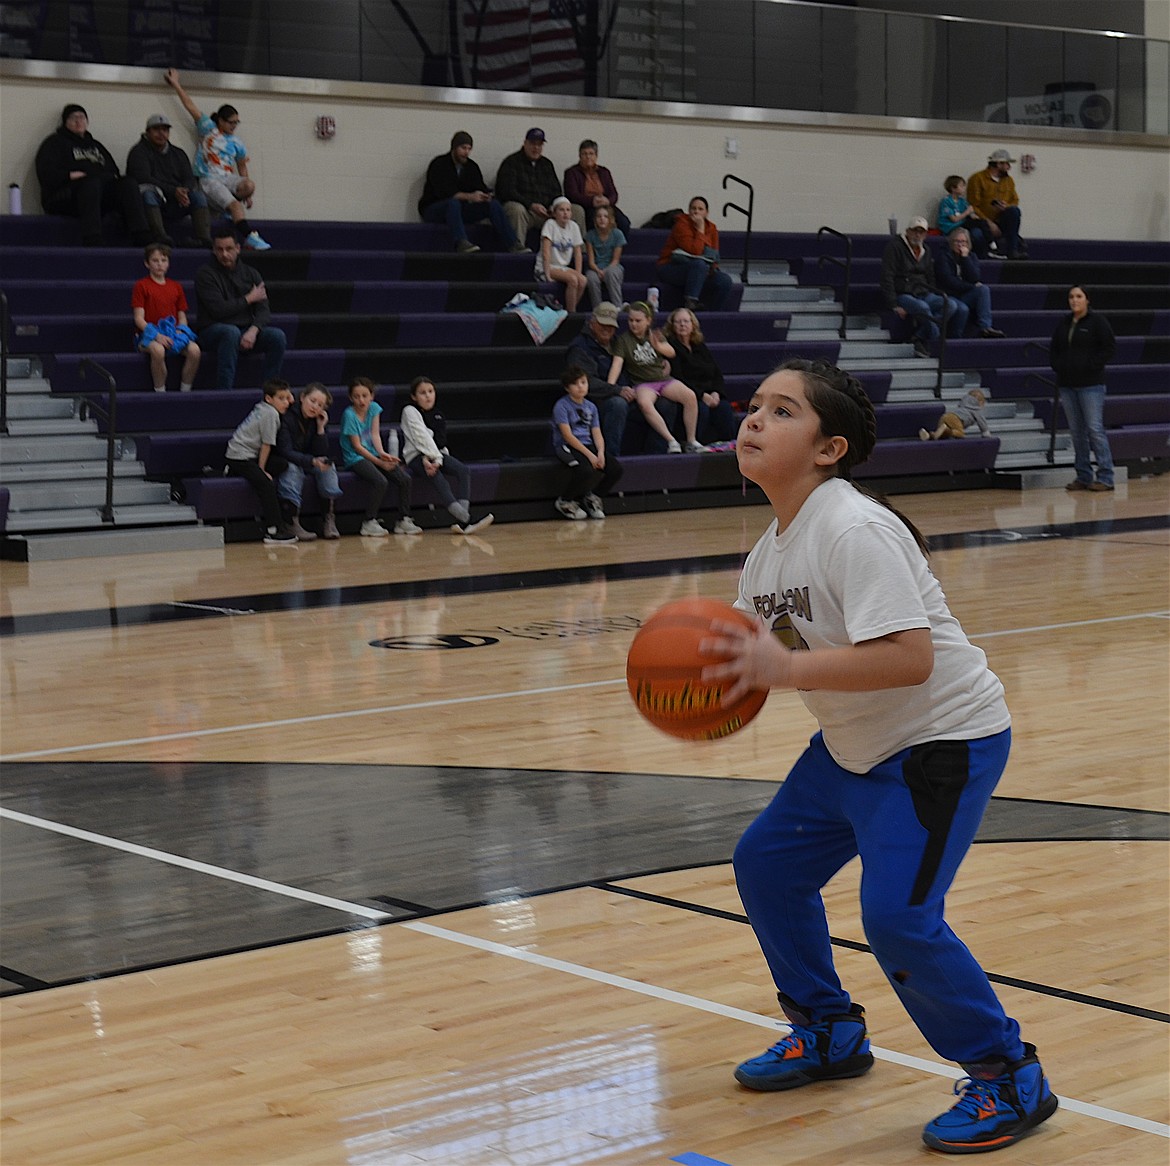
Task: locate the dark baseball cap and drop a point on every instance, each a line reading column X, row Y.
column 462, row 138
column 535, row 135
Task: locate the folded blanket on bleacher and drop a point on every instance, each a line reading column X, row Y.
column 540, row 320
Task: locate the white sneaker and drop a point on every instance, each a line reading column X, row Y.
column 673, row 446
column 407, row 525
column 472, row 527
column 593, row 506
column 254, row 243
column 372, row 528
column 695, row 447
column 923, row 435
column 570, row 509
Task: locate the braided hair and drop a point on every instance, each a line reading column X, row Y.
column 840, row 401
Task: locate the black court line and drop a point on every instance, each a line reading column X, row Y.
column 853, row 945
column 240, row 606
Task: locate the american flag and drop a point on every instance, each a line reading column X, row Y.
column 521, row 44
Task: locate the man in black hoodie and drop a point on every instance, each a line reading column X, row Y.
column 80, row 178
column 169, row 190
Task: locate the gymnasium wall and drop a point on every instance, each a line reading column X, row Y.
column 809, row 170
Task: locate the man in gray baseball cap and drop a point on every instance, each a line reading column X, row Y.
column 992, row 193
column 166, row 183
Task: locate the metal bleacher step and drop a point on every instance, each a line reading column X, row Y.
column 65, row 495
column 13, row 473
column 50, row 427
column 25, row 386
column 42, row 447
column 36, row 406
column 79, row 544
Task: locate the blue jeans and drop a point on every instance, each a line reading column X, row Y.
column 698, row 280
column 291, row 484
column 978, row 302
column 172, row 210
column 1009, row 223
column 456, row 214
column 926, row 313
column 1085, row 411
column 225, row 340
column 911, row 819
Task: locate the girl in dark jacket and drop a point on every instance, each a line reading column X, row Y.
column 1081, row 347
column 301, row 441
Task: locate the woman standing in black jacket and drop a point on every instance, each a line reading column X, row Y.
column 1082, row 346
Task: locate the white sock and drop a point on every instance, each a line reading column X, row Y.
column 184, row 388
column 160, row 388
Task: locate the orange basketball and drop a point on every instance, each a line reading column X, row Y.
column 663, row 673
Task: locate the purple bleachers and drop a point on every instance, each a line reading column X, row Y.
column 1119, row 411
column 895, row 458
column 1021, row 382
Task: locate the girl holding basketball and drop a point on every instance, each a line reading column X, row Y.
column 914, row 735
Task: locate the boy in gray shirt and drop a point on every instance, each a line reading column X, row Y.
column 250, row 455
column 953, row 423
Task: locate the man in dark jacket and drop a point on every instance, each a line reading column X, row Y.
column 527, row 183
column 956, row 271
column 234, row 316
column 909, row 291
column 589, row 351
column 456, row 194
column 165, row 181
column 79, row 178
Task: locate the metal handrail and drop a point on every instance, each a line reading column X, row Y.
column 111, row 416
column 942, row 346
column 1055, row 398
column 734, row 206
column 847, row 264
column 3, row 363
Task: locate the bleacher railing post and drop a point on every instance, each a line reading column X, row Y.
column 111, row 415
column 747, row 238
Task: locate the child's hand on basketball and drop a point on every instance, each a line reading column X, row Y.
column 752, row 658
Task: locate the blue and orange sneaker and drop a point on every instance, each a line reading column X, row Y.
column 833, row 1048
column 998, row 1104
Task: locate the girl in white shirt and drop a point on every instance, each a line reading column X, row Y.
column 914, row 735
column 560, row 256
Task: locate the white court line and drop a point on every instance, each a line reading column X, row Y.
column 254, row 726
column 1113, row 1116
column 339, row 716
column 219, row 872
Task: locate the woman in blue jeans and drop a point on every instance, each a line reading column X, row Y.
column 1082, row 345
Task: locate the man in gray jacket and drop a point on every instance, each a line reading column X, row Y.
column 234, row 316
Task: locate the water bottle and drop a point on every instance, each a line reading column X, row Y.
column 893, row 225
column 14, row 207
column 652, row 299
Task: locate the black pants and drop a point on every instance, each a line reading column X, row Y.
column 582, row 478
column 89, row 198
column 264, row 486
column 378, row 479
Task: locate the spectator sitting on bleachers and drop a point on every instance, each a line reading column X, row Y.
column 955, row 211
column 641, row 352
column 79, row 179
column 580, row 446
column 234, row 315
column 456, row 194
column 590, row 350
column 159, row 306
column 604, row 244
column 302, row 443
column 992, row 192
column 908, row 288
column 221, row 163
column 971, row 410
column 425, row 452
column 166, row 182
column 690, row 259
column 527, row 184
column 590, row 186
column 559, row 258
column 956, row 271
column 250, row 456
column 694, row 365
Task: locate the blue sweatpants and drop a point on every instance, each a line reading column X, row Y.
column 912, row 819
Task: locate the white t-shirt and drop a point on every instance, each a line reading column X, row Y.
column 564, row 239
column 848, row 570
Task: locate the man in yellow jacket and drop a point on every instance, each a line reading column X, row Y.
column 993, row 194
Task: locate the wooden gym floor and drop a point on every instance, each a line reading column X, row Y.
column 357, row 853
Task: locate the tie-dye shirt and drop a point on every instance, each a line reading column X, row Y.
column 218, row 154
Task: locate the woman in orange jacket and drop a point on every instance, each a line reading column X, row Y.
column 690, row 260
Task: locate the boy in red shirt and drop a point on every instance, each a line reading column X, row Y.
column 160, row 317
